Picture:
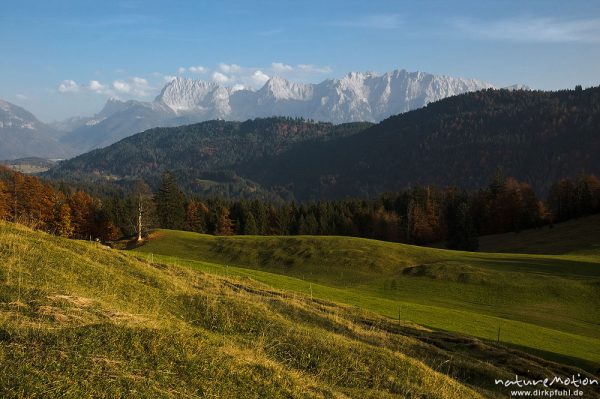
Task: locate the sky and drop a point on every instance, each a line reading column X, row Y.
column 66, row 58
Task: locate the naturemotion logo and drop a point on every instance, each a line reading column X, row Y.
column 556, row 386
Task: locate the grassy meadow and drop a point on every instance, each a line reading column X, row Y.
column 78, row 319
column 547, row 304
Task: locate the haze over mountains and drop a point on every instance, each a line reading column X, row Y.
column 23, row 135
column 357, row 96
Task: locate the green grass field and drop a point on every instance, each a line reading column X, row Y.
column 81, row 320
column 546, row 304
column 576, row 237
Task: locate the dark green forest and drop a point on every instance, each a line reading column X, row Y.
column 205, row 157
column 537, row 137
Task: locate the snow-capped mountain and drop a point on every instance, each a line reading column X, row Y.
column 23, row 135
column 355, row 97
column 358, row 96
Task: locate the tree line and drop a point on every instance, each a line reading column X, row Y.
column 57, row 209
column 419, row 215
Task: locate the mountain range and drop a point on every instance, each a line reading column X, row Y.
column 23, row 135
column 358, row 96
column 365, row 97
column 535, row 136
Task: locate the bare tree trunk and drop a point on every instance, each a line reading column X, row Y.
column 139, row 221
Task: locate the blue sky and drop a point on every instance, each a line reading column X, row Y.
column 65, row 58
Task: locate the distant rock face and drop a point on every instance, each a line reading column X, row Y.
column 22, row 135
column 356, row 97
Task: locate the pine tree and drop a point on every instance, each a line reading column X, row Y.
column 462, row 234
column 170, row 203
column 308, row 225
column 250, row 227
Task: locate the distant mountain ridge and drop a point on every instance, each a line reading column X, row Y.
column 356, row 97
column 23, row 135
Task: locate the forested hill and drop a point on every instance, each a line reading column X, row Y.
column 204, row 156
column 537, row 137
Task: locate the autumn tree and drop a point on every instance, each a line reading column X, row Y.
column 4, row 205
column 62, row 220
column 82, row 212
column 224, row 226
column 196, row 218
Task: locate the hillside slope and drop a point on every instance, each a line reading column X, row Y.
column 537, row 137
column 576, row 237
column 199, row 154
column 543, row 303
column 81, row 320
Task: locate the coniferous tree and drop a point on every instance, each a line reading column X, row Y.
column 462, row 234
column 250, row 227
column 308, row 225
column 259, row 211
column 170, row 203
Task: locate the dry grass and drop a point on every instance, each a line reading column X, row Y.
column 79, row 321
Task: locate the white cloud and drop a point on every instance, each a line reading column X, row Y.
column 534, row 29
column 374, row 21
column 97, row 87
column 68, row 86
column 281, row 67
column 181, row 70
column 135, row 87
column 235, row 76
column 259, row 77
column 220, row 78
column 198, row 69
column 21, row 97
column 230, row 68
column 121, row 86
column 139, row 81
column 310, row 68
